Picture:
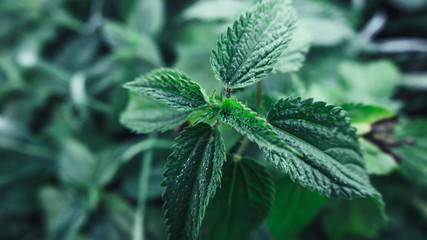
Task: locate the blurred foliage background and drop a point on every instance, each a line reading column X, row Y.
column 70, row 170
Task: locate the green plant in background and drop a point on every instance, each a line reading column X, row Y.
column 310, row 141
column 78, row 159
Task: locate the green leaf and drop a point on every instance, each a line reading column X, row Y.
column 246, row 121
column 170, row 87
column 377, row 162
column 147, row 16
column 293, row 57
column 247, row 52
column 193, row 48
column 215, row 10
column 293, row 209
column 331, row 161
column 414, row 151
column 77, row 164
column 325, row 21
column 242, row 202
column 357, row 219
column 149, row 120
column 128, row 42
column 72, row 220
column 54, row 203
column 114, row 156
column 372, row 83
column 113, row 219
column 193, row 174
column 363, row 116
column 143, row 116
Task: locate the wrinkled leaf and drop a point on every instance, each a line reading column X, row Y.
column 331, row 161
column 192, row 175
column 246, row 121
column 247, row 52
column 170, row 87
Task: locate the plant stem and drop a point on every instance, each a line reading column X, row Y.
column 138, row 228
column 259, row 94
column 241, row 149
column 228, row 92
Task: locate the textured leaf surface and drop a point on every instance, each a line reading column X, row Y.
column 249, row 49
column 294, row 208
column 414, row 156
column 293, row 57
column 242, row 202
column 191, row 179
column 332, row 162
column 170, row 87
column 246, row 121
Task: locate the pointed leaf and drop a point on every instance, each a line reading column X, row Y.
column 332, row 162
column 191, row 179
column 170, row 87
column 247, row 52
column 242, row 202
column 246, row 121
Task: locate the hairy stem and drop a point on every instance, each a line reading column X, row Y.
column 228, row 92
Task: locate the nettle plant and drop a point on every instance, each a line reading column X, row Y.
column 310, row 141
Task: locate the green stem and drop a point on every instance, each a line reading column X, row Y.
column 259, row 94
column 138, row 228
